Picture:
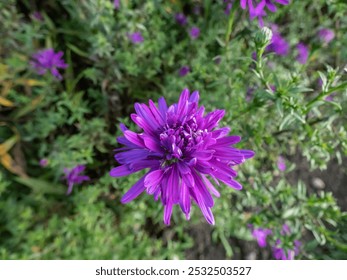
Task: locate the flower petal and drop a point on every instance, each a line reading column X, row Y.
column 134, row 191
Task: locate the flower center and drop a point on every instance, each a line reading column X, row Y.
column 179, row 139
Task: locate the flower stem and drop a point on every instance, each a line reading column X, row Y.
column 230, row 26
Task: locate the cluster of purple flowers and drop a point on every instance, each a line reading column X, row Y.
column 279, row 253
column 181, row 19
column 194, row 33
column 281, row 47
column 181, row 146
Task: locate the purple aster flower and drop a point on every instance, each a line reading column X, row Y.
column 48, row 60
column 181, row 19
column 181, row 146
column 257, row 7
column 303, row 53
column 281, row 163
column 326, row 35
column 73, row 176
column 289, row 254
column 194, row 32
column 135, row 38
column 116, row 4
column 278, row 44
column 184, row 71
column 43, row 162
column 37, row 15
column 260, row 234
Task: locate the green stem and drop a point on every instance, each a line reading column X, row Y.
column 230, row 26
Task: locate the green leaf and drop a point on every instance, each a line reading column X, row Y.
column 42, row 186
column 77, row 50
column 279, row 107
column 301, row 119
column 28, row 108
column 286, row 121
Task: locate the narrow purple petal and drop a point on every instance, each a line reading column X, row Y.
column 134, row 191
column 121, row 171
column 210, row 186
column 153, row 180
column 134, row 138
column 168, row 213
column 185, row 200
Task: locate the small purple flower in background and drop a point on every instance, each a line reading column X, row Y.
column 37, row 15
column 48, row 60
column 278, row 44
column 73, row 176
column 116, row 4
column 194, row 32
column 43, row 162
column 181, row 146
column 249, row 93
column 228, row 7
column 260, row 234
column 326, row 35
column 330, row 97
column 181, row 19
column 217, row 59
column 184, row 70
column 279, row 253
column 281, row 163
column 273, row 88
column 282, row 254
column 303, row 53
column 197, row 10
column 135, row 38
column 257, row 7
column 285, row 230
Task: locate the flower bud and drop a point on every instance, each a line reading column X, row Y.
column 263, row 37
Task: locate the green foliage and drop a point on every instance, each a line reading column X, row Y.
column 75, row 121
